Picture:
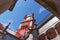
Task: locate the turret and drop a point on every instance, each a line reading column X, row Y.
column 26, row 24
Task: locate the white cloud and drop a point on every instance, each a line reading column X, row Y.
column 41, row 9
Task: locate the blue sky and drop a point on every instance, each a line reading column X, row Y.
column 21, row 9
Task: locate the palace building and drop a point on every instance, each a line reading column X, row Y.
column 28, row 30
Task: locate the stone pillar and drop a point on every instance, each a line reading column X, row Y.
column 35, row 34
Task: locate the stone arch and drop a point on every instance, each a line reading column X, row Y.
column 51, row 33
column 42, row 37
column 57, row 27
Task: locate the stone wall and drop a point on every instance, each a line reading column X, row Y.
column 52, row 33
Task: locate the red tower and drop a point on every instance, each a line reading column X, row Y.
column 26, row 24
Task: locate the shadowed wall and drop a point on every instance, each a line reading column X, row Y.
column 51, row 5
column 7, row 4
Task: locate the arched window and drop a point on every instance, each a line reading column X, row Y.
column 51, row 33
column 57, row 27
column 42, row 37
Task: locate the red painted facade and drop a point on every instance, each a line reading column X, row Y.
column 1, row 27
column 25, row 25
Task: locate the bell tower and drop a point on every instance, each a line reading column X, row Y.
column 26, row 24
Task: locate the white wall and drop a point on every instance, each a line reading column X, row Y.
column 11, row 31
column 48, row 25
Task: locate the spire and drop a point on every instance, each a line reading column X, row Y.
column 7, row 26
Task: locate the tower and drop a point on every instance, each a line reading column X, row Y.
column 26, row 24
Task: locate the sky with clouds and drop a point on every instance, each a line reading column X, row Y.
column 21, row 9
